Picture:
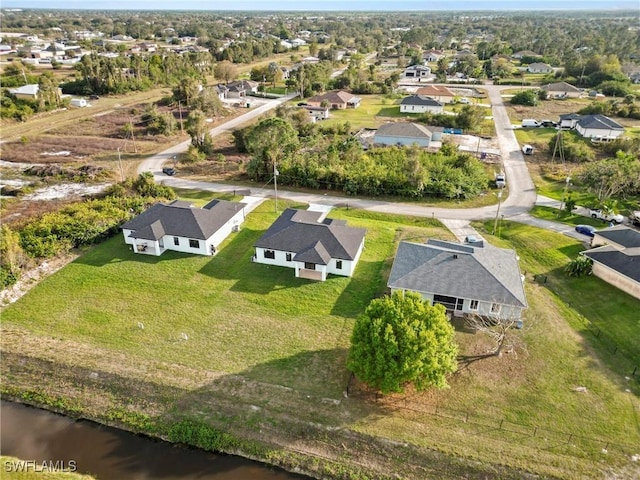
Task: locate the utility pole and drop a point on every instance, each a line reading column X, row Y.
column 180, row 110
column 120, row 163
column 564, row 195
column 495, row 223
column 135, row 150
column 275, row 183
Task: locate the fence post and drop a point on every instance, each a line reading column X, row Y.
column 535, row 429
column 634, row 371
column 466, row 418
column 570, row 437
column 500, row 427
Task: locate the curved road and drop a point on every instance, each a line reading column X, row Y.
column 521, row 198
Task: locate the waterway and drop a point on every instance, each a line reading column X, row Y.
column 53, row 440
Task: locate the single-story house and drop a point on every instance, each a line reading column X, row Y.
column 26, row 92
column 420, row 104
column 437, row 92
column 406, row 133
column 539, row 67
column 317, row 113
column 598, row 127
column 525, row 53
column 467, row 279
column 561, row 90
column 337, row 100
column 432, row 55
column 313, row 246
column 241, row 88
column 616, row 258
column 182, row 227
column 417, row 71
column 569, row 120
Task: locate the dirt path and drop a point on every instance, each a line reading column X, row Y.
column 44, row 122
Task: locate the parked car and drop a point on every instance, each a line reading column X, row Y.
column 527, row 149
column 634, row 218
column 548, row 124
column 501, row 182
column 606, row 217
column 94, row 97
column 587, row 230
column 169, row 171
column 530, row 122
column 465, row 100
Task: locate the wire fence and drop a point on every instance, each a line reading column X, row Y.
column 503, row 430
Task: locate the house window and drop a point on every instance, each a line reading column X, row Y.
column 194, row 243
column 338, row 264
column 495, row 308
column 473, row 305
column 176, row 241
column 459, row 304
column 269, row 254
column 289, row 257
column 309, row 266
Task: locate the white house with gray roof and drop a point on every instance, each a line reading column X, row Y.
column 616, row 258
column 313, row 247
column 181, row 227
column 598, row 127
column 406, row 133
column 465, row 278
column 420, row 104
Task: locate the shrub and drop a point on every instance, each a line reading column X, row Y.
column 526, row 97
column 579, row 267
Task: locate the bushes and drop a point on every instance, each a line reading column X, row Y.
column 526, row 97
column 579, row 267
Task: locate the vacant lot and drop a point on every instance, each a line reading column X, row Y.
column 263, row 355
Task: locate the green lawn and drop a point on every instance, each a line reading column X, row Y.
column 549, row 213
column 372, row 112
column 262, row 323
column 217, row 302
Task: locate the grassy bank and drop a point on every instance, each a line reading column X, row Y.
column 265, row 352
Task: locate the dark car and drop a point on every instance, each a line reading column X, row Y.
column 94, row 97
column 548, row 124
column 169, row 171
column 587, row 230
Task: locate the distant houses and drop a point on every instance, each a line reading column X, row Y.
column 420, row 104
column 562, row 90
column 336, row 100
column 596, row 127
column 406, row 133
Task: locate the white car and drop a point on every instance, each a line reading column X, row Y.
column 606, row 217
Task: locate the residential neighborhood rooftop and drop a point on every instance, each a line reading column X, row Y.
column 485, row 273
column 301, row 232
column 182, row 219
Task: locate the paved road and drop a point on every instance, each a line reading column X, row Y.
column 521, row 197
column 154, row 164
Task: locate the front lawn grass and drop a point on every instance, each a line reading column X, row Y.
column 262, row 323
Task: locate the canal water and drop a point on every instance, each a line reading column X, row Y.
column 55, row 441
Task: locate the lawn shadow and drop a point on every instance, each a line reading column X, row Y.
column 118, row 251
column 363, row 286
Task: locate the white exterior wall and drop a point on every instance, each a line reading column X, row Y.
column 223, row 232
column 484, row 308
column 420, row 108
column 598, row 132
column 621, row 282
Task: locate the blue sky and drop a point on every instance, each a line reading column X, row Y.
column 335, row 5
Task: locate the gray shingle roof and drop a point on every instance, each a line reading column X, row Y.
column 339, row 96
column 488, row 273
column 623, row 236
column 182, row 220
column 626, row 262
column 420, row 100
column 560, row 87
column 299, row 232
column 599, row 122
column 404, row 129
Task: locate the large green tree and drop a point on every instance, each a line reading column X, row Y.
column 402, row 339
column 270, row 142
